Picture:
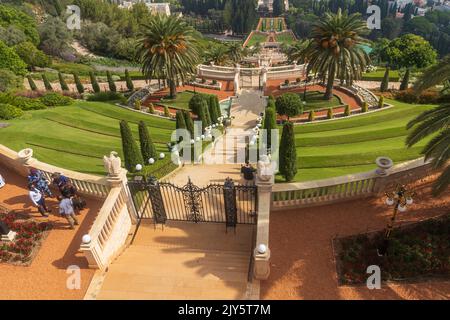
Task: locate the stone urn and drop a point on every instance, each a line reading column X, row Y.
column 25, row 155
column 383, row 163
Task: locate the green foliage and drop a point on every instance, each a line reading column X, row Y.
column 197, row 102
column 22, row 103
column 56, row 38
column 130, row 148
column 381, row 102
column 79, row 85
column 95, row 86
column 213, row 109
column 62, row 82
column 148, row 149
column 180, row 122
column 385, row 82
column 189, row 122
column 409, row 51
column 405, row 80
column 128, row 80
column 9, row 59
column 151, row 108
column 54, row 99
column 8, row 112
column 364, row 107
column 13, row 16
column 33, row 86
column 47, row 84
column 288, row 153
column 330, row 113
column 240, row 15
column 166, row 112
column 270, row 122
column 111, row 84
column 9, row 81
column 137, row 104
column 347, row 110
column 32, row 56
column 311, row 116
column 105, row 96
column 289, row 104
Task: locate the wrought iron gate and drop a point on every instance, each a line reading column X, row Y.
column 223, row 203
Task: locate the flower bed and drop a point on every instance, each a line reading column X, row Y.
column 27, row 242
column 415, row 251
column 206, row 85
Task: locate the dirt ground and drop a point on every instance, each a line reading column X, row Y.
column 302, row 261
column 46, row 277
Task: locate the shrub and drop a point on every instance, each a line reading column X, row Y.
column 8, row 112
column 425, row 97
column 196, row 103
column 364, row 107
column 148, row 149
column 286, row 82
column 62, row 82
column 298, row 80
column 330, row 113
column 212, row 108
column 128, row 80
column 203, row 80
column 33, row 86
column 105, row 96
column 289, row 104
column 112, row 85
column 214, row 82
column 270, row 122
column 385, row 82
column 79, row 85
column 189, row 122
column 130, row 148
column 311, row 115
column 22, row 103
column 151, row 108
column 55, row 99
column 47, row 84
column 137, row 104
column 166, row 112
column 381, row 102
column 347, row 111
column 288, row 153
column 94, row 83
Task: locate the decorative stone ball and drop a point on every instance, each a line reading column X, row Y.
column 203, row 137
column 151, row 161
column 389, row 201
column 209, row 136
column 213, row 125
column 192, row 141
column 86, row 239
column 138, row 167
column 197, row 139
column 252, row 143
column 162, row 155
column 259, row 125
column 402, row 208
column 262, row 248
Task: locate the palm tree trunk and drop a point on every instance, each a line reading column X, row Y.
column 173, row 88
column 405, row 80
column 329, row 91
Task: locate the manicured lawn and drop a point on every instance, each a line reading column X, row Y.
column 180, row 102
column 286, row 38
column 256, row 37
column 314, row 101
column 379, row 74
column 77, row 137
column 351, row 145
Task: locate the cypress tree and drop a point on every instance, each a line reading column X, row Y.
column 330, row 113
column 189, row 122
column 208, row 115
column 288, row 153
column 128, row 80
column 112, row 85
column 137, row 104
column 95, row 86
column 151, row 108
column 270, row 122
column 180, row 122
column 347, row 111
column 166, row 112
column 196, row 103
column 311, row 115
column 217, row 106
column 47, row 84
column 213, row 109
column 131, row 153
column 148, row 149
column 79, row 85
column 385, row 82
column 33, row 86
column 203, row 116
column 381, row 102
column 364, row 107
column 405, row 80
column 62, row 82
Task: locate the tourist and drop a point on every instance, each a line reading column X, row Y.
column 37, row 178
column 59, row 180
column 71, row 192
column 2, row 182
column 248, row 174
column 66, row 210
column 38, row 199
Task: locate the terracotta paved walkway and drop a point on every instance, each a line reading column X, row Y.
column 302, row 258
column 46, row 277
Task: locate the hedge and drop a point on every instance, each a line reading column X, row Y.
column 8, row 112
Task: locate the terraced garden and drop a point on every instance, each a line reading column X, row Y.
column 77, row 137
column 351, row 145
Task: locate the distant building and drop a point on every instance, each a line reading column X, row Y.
column 269, row 4
column 156, row 8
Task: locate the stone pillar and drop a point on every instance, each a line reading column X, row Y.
column 237, row 72
column 261, row 253
column 384, row 164
column 264, row 78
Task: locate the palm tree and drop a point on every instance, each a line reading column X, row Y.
column 434, row 122
column 294, row 52
column 168, row 49
column 236, row 52
column 218, row 55
column 335, row 49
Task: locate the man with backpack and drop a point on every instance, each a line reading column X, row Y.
column 38, row 199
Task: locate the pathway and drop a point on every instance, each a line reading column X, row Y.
column 46, row 277
column 224, row 158
column 302, row 261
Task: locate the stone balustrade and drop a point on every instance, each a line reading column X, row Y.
column 344, row 188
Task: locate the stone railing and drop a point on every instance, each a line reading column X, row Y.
column 111, row 228
column 320, row 192
column 21, row 162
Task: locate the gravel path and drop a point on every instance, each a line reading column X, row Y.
column 302, row 264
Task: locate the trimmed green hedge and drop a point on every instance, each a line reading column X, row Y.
column 54, row 99
column 8, row 112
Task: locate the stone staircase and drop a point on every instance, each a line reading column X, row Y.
column 184, row 261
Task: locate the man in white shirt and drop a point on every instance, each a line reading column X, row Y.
column 38, row 200
column 66, row 210
column 2, row 182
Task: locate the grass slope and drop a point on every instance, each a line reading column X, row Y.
column 78, row 136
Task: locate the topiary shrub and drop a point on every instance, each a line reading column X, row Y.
column 148, row 149
column 214, row 82
column 131, row 153
column 298, row 80
column 330, row 114
column 381, row 102
column 94, row 83
column 23, row 103
column 78, row 84
column 151, row 108
column 288, row 153
column 33, row 86
column 137, row 104
column 128, row 80
column 111, row 84
column 347, row 110
column 364, row 107
column 166, row 112
column 289, row 104
column 286, row 82
column 270, row 122
column 55, row 99
column 106, row 96
column 189, row 122
column 47, row 84
column 8, row 112
column 311, row 116
column 196, row 103
column 62, row 82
